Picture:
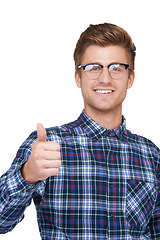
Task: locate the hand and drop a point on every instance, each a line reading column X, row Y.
column 44, row 160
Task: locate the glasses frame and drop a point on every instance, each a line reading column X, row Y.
column 102, row 66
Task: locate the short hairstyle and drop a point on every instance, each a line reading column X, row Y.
column 103, row 35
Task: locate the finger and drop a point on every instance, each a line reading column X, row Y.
column 53, row 164
column 51, row 146
column 52, row 171
column 51, row 155
column 41, row 133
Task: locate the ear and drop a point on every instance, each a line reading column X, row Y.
column 131, row 80
column 77, row 79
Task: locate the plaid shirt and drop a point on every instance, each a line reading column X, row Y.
column 107, row 186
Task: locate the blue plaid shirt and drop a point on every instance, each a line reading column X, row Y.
column 107, row 186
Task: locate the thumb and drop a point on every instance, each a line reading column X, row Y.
column 41, row 133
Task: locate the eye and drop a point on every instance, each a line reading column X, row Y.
column 93, row 68
column 116, row 68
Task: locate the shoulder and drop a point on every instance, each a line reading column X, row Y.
column 144, row 144
column 59, row 133
column 132, row 137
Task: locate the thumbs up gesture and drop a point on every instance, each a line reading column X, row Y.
column 44, row 160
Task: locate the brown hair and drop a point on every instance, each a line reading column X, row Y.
column 104, row 35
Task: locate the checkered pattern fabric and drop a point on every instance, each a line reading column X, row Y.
column 107, row 186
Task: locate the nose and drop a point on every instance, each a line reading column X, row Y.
column 105, row 76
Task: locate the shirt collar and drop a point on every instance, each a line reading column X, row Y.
column 95, row 130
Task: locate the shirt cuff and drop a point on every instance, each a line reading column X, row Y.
column 18, row 188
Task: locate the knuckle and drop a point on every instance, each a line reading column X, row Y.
column 37, row 155
column 58, row 155
column 57, row 145
column 59, row 163
column 56, row 171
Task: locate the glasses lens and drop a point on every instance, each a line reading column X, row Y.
column 116, row 70
column 93, row 71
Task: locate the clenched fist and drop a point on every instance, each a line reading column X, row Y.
column 44, row 160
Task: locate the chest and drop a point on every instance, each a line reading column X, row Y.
column 104, row 173
column 101, row 186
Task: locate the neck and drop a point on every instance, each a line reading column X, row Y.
column 109, row 120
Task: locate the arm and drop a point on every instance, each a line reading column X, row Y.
column 155, row 221
column 36, row 160
column 15, row 193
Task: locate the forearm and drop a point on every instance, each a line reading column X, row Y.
column 15, row 195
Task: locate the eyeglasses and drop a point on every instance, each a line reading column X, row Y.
column 94, row 70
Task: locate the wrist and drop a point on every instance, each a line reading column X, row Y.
column 26, row 174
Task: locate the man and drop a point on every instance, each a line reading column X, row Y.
column 92, row 178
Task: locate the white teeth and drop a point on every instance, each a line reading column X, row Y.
column 103, row 91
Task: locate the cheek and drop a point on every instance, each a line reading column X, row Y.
column 122, row 90
column 86, row 89
column 85, row 84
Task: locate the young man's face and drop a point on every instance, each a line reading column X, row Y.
column 104, row 94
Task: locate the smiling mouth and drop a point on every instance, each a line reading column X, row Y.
column 103, row 91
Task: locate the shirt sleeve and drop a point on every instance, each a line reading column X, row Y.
column 15, row 193
column 155, row 220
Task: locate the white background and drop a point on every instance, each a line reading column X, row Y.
column 37, row 40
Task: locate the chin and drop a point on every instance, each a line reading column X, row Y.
column 102, row 109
